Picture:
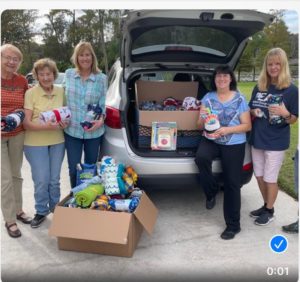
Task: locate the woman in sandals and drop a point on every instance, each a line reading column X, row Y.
column 13, row 88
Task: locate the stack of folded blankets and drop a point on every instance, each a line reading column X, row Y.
column 112, row 188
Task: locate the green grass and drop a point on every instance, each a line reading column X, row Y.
column 286, row 175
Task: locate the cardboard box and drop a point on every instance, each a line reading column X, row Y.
column 160, row 90
column 103, row 232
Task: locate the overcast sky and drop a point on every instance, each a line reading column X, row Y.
column 292, row 21
column 290, row 17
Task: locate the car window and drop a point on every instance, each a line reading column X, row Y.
column 59, row 79
column 184, row 38
column 111, row 75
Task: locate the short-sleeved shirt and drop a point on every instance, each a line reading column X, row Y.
column 80, row 94
column 266, row 136
column 37, row 100
column 228, row 114
column 12, row 98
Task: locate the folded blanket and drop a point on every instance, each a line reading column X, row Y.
column 56, row 115
column 85, row 197
column 95, row 180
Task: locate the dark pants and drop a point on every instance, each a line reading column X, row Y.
column 232, row 157
column 74, row 148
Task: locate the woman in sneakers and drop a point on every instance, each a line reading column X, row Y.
column 13, row 88
column 44, row 141
column 227, row 142
column 274, row 106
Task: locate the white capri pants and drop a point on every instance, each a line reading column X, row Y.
column 267, row 164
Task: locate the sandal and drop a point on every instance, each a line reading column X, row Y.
column 24, row 218
column 14, row 234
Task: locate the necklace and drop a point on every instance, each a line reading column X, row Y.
column 8, row 84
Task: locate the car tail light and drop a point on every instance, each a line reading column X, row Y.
column 113, row 118
column 247, row 167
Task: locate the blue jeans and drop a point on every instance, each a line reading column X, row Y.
column 74, row 148
column 45, row 162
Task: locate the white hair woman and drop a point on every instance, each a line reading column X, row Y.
column 13, row 88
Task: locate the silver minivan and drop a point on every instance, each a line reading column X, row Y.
column 158, row 45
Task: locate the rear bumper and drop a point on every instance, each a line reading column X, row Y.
column 184, row 180
column 114, row 145
column 160, row 170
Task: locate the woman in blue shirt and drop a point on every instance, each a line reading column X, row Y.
column 84, row 85
column 227, row 142
column 270, row 136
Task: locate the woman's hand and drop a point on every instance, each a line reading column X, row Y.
column 96, row 124
column 52, row 125
column 64, row 125
column 279, row 110
column 222, row 131
column 257, row 112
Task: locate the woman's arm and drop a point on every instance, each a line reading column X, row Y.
column 281, row 110
column 243, row 127
column 28, row 124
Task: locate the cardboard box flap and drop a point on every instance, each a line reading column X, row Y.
column 146, row 213
column 90, row 225
column 185, row 120
column 160, row 90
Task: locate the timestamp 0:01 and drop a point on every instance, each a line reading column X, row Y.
column 280, row 270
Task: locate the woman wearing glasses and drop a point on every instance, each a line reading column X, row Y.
column 13, row 88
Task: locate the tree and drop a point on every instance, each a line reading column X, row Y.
column 55, row 35
column 17, row 27
column 277, row 32
column 274, row 35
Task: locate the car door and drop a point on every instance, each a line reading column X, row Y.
column 197, row 38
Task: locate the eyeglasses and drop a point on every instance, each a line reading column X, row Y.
column 11, row 59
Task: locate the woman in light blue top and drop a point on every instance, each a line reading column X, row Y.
column 228, row 109
column 84, row 85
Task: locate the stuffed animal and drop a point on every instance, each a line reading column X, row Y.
column 191, row 103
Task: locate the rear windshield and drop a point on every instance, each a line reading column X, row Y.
column 205, row 40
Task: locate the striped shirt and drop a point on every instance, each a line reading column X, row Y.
column 12, row 98
column 79, row 94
